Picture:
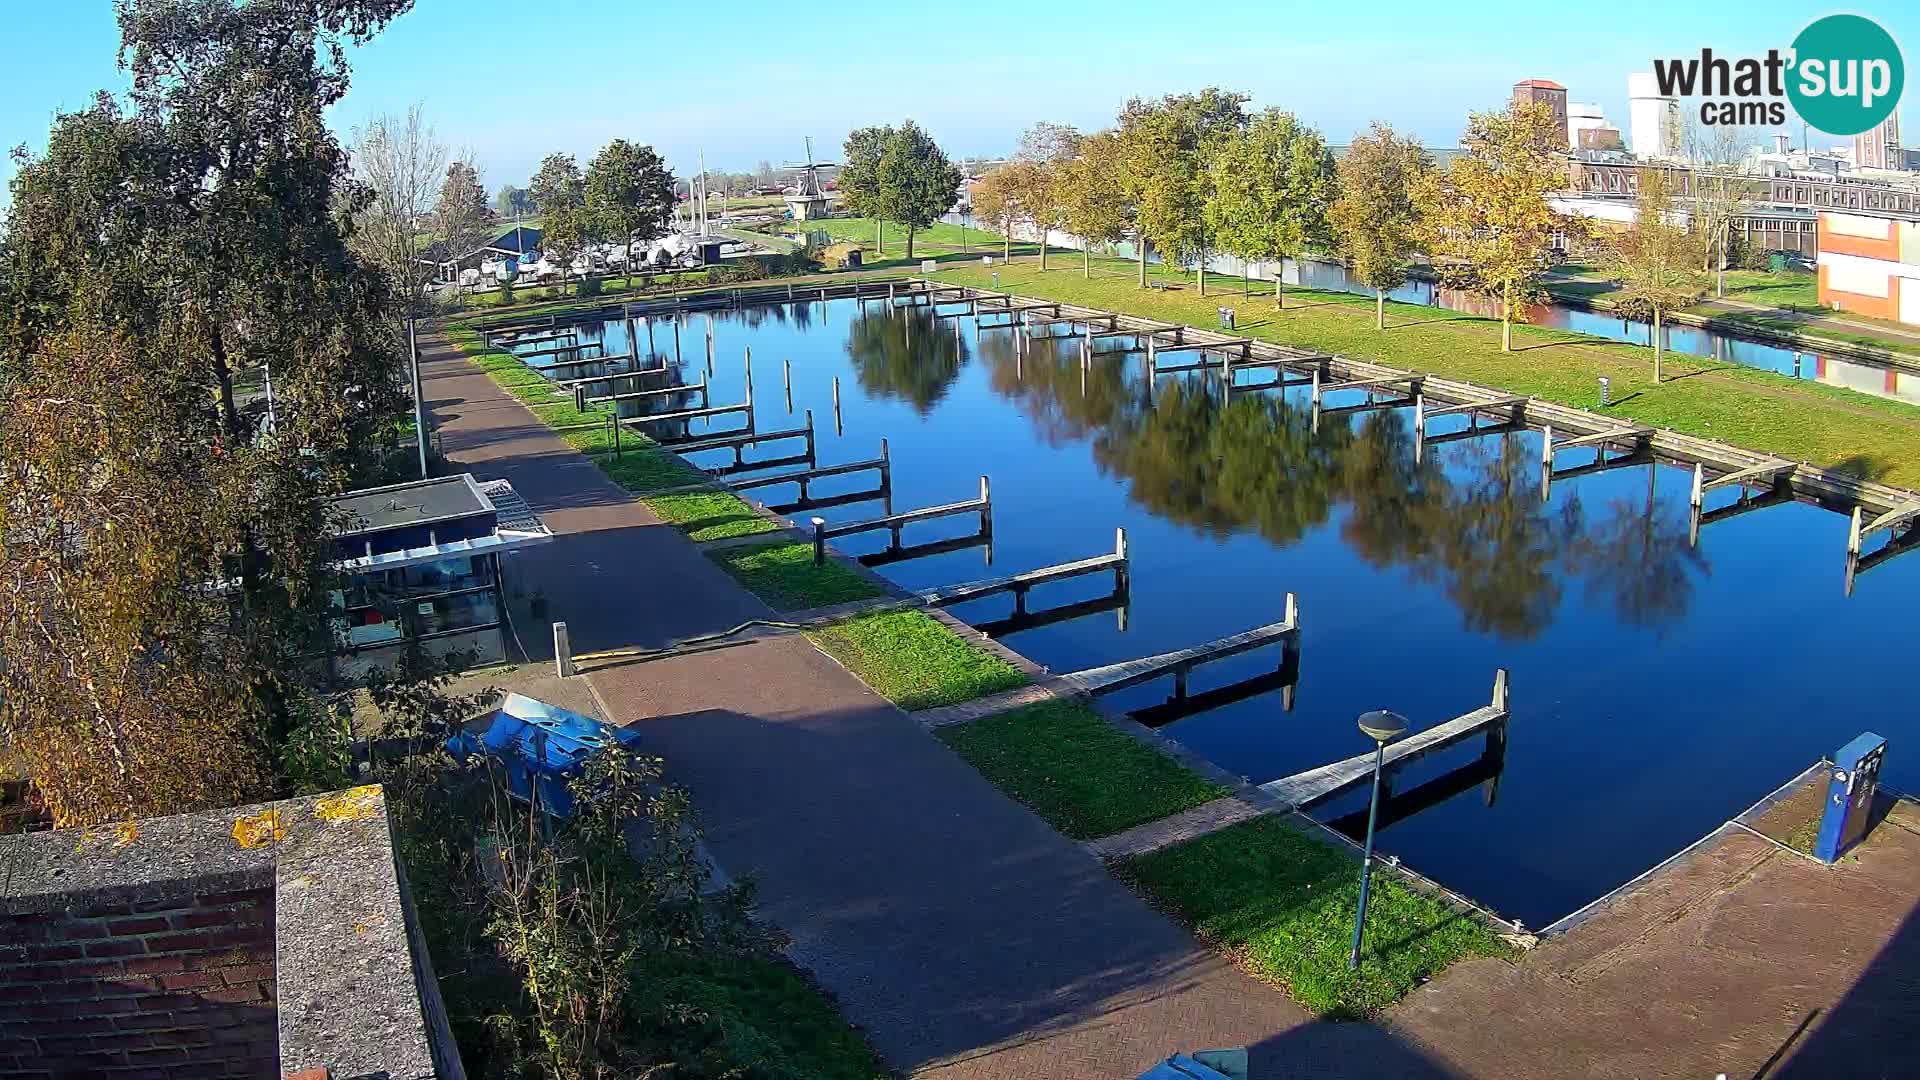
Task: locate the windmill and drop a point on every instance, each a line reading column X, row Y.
column 807, row 201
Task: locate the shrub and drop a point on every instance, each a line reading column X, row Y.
column 589, row 286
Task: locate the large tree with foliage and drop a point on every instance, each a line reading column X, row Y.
column 165, row 554
column 1168, row 145
column 1270, row 189
column 1373, row 217
column 630, row 192
column 461, row 219
column 566, row 226
column 1090, row 190
column 859, row 179
column 1044, row 150
column 1657, row 261
column 1486, row 220
column 917, row 182
column 996, row 202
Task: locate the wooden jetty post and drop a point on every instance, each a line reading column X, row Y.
column 749, row 365
column 676, row 339
column 709, row 345
column 786, row 378
column 893, row 523
column 837, row 428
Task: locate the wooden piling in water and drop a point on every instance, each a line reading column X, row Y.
column 837, row 428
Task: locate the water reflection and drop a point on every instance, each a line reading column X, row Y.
column 1471, row 520
column 906, row 354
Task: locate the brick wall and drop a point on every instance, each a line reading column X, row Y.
column 164, row 988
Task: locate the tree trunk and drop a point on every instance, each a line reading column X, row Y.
column 1379, row 310
column 1043, row 248
column 1659, row 344
column 1506, row 321
column 910, row 232
column 1201, row 271
column 1279, row 286
column 879, row 236
column 1142, row 241
column 1086, row 259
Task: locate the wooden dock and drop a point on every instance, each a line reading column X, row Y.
column 1180, row 663
column 894, row 523
column 1022, row 583
column 1304, row 789
column 1883, row 508
column 738, row 442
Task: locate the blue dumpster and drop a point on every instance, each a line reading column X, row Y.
column 540, row 746
column 1850, row 787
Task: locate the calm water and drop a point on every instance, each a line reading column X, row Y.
column 1658, row 689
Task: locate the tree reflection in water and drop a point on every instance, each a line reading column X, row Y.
column 1476, row 527
column 906, row 354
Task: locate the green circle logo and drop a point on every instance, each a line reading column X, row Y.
column 1847, row 74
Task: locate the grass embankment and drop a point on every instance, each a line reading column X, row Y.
column 1793, row 418
column 1067, row 764
column 1283, row 903
column 914, row 661
column 785, row 577
column 642, row 467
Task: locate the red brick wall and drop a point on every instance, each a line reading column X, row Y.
column 173, row 988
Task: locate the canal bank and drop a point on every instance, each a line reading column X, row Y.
column 966, row 937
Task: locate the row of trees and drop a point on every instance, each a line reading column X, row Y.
column 625, row 196
column 1191, row 175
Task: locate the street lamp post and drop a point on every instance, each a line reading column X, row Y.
column 1382, row 727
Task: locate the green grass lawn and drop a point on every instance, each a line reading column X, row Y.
column 1284, row 901
column 915, row 661
column 1793, row 418
column 785, row 577
column 641, row 467
column 1067, row 764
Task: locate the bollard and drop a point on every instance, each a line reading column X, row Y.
column 562, row 651
column 580, row 398
column 819, row 541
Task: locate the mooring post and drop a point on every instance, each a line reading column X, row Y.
column 1546, row 462
column 986, row 507
column 562, row 651
column 1419, row 410
column 789, row 290
column 1853, row 536
column 1152, row 364
column 676, row 338
column 1122, row 578
column 749, row 375
column 812, row 457
column 786, row 382
column 886, row 466
column 837, row 428
column 1292, row 615
column 819, row 541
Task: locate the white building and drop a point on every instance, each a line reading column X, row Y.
column 1653, row 120
column 1582, row 116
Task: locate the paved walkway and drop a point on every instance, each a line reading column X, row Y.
column 1740, row 958
column 963, row 934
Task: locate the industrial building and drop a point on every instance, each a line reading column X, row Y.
column 1869, row 264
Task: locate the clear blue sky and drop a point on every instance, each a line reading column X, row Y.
column 515, row 81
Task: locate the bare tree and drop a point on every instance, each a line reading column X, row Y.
column 1723, row 193
column 401, row 163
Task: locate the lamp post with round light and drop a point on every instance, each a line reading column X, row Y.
column 1382, row 727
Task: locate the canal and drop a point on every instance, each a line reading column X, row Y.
column 1658, row 688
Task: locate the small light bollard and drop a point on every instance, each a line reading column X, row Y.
column 819, row 541
column 1606, row 392
column 1382, row 727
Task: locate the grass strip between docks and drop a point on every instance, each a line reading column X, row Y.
column 642, row 467
column 785, row 577
column 914, row 660
column 1067, row 764
column 1283, row 903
